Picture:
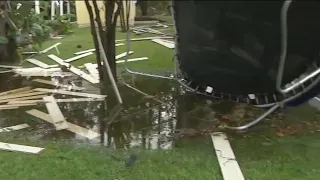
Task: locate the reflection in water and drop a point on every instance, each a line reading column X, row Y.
column 141, row 122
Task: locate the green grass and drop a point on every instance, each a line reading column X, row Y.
column 262, row 154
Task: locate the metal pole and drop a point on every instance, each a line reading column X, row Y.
column 106, row 63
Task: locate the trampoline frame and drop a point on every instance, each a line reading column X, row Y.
column 272, row 106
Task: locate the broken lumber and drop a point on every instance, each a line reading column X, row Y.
column 145, row 38
column 119, row 56
column 229, row 166
column 93, row 50
column 49, row 48
column 20, row 148
column 74, row 69
column 57, row 100
column 55, row 113
column 13, row 96
column 58, row 85
column 78, row 57
column 92, row 70
column 14, row 128
column 72, row 127
column 163, row 43
column 40, row 64
column 57, row 91
column 37, row 71
column 15, row 106
column 15, row 91
column 23, row 98
column 132, row 60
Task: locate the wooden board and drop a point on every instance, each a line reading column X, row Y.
column 55, row 113
column 15, row 91
column 163, row 43
column 37, row 71
column 229, row 166
column 57, row 91
column 40, row 64
column 133, row 59
column 79, row 57
column 23, row 98
column 14, row 106
column 72, row 127
column 74, row 69
column 59, row 85
column 14, row 128
column 92, row 69
column 12, row 96
column 146, row 38
column 124, row 54
column 49, row 48
column 57, row 100
column 20, row 148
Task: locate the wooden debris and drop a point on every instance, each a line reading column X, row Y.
column 93, row 50
column 14, row 106
column 57, row 91
column 72, row 127
column 92, row 69
column 49, row 48
column 15, row 91
column 41, row 64
column 10, row 67
column 119, row 56
column 23, row 98
column 14, row 128
column 13, row 96
column 79, row 57
column 146, row 38
column 59, row 85
column 55, row 113
column 163, row 43
column 74, row 69
column 133, row 59
column 57, row 100
column 37, row 71
column 20, row 148
column 229, row 166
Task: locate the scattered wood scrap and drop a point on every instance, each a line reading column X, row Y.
column 14, row 128
column 164, row 43
column 72, row 127
column 20, row 148
column 92, row 69
column 119, row 56
column 23, row 98
column 93, row 50
column 146, row 38
column 41, row 64
column 132, row 60
column 55, row 113
column 78, row 57
column 14, row 106
column 57, row 91
column 25, row 94
column 37, row 71
column 229, row 166
column 75, row 70
column 15, row 91
column 58, row 85
column 51, row 47
column 57, row 100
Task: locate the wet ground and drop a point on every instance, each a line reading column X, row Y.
column 157, row 121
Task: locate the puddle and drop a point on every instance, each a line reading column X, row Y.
column 141, row 122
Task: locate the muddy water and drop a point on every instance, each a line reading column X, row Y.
column 152, row 122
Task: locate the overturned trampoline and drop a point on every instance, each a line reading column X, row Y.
column 264, row 54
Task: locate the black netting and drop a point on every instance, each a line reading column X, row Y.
column 234, row 46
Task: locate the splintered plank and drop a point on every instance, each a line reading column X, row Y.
column 20, row 148
column 12, row 96
column 229, row 166
column 72, row 127
column 133, row 59
column 74, row 69
column 119, row 56
column 146, row 38
column 57, row 100
column 55, row 113
column 23, row 98
column 79, row 57
column 163, row 43
column 15, row 91
column 92, row 69
column 14, row 128
column 57, row 91
column 40, row 64
column 14, row 106
column 43, row 81
column 49, row 48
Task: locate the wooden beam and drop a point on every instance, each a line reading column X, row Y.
column 43, row 81
column 78, row 57
column 15, row 91
column 23, row 98
column 57, row 91
column 57, row 100
column 72, row 127
column 20, row 148
column 55, row 113
column 229, row 166
column 13, row 96
column 41, row 64
column 163, row 43
column 14, row 128
column 119, row 56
